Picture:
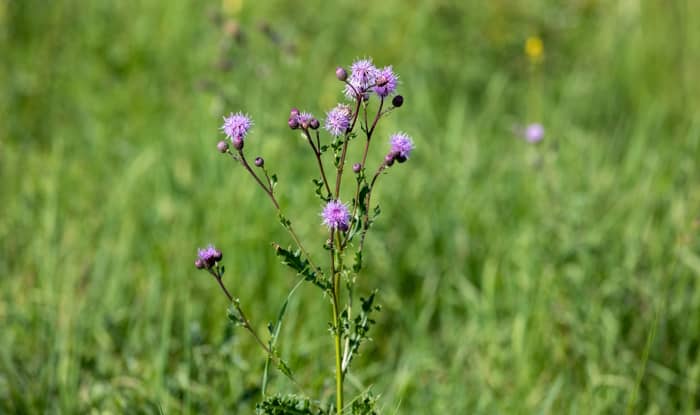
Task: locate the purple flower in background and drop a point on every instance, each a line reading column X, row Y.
column 207, row 257
column 401, row 146
column 338, row 120
column 236, row 125
column 336, row 215
column 534, row 133
column 362, row 77
column 385, row 81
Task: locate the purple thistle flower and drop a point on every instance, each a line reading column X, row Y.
column 338, row 120
column 386, row 81
column 534, row 133
column 236, row 125
column 304, row 119
column 336, row 215
column 362, row 76
column 401, row 146
column 207, row 257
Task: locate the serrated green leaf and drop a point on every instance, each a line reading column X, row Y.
column 361, row 325
column 284, row 221
column 300, row 265
column 284, row 368
column 289, row 405
column 357, row 264
column 319, row 187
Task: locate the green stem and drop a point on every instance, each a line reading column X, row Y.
column 335, row 300
column 270, row 193
column 338, row 359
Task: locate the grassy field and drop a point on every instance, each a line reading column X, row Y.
column 558, row 278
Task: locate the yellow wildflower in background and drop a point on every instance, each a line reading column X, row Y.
column 534, row 48
column 231, row 7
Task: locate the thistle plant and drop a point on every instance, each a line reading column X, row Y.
column 371, row 96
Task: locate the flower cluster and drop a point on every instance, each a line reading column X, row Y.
column 304, row 120
column 364, row 77
column 348, row 223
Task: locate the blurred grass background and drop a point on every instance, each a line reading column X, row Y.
column 557, row 278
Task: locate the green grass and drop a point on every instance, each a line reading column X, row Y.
column 560, row 278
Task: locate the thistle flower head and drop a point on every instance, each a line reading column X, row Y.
column 336, row 215
column 338, row 120
column 207, row 257
column 386, row 81
column 362, row 76
column 401, row 146
column 304, row 119
column 534, row 133
column 237, row 125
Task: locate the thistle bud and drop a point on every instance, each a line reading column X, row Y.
column 293, row 123
column 294, row 112
column 237, row 142
column 389, row 159
column 199, row 263
column 259, row 161
column 314, row 124
column 341, row 74
column 356, row 167
column 222, row 146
